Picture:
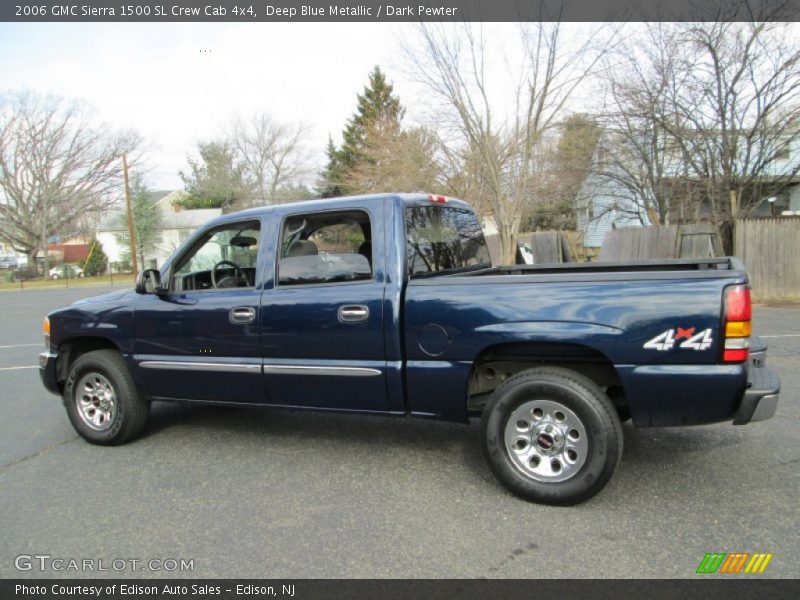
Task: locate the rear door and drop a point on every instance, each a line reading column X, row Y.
column 322, row 315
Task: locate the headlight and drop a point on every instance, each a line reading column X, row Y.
column 46, row 331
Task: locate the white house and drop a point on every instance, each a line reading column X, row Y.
column 609, row 198
column 176, row 224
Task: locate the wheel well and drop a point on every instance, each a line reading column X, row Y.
column 497, row 363
column 72, row 349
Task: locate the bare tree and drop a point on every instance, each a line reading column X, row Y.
column 742, row 107
column 458, row 66
column 465, row 175
column 55, row 165
column 563, row 163
column 273, row 153
column 636, row 156
column 705, row 118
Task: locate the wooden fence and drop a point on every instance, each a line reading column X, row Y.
column 546, row 246
column 668, row 241
column 770, row 249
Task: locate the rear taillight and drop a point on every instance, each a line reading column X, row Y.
column 738, row 313
column 46, row 331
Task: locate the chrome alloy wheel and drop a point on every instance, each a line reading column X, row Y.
column 96, row 401
column 546, row 441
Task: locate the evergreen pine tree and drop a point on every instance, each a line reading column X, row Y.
column 217, row 180
column 97, row 261
column 331, row 176
column 378, row 112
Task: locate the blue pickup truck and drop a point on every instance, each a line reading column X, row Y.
column 389, row 304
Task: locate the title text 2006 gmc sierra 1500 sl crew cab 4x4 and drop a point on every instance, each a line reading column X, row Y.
column 389, row 304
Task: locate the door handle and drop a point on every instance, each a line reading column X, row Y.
column 353, row 313
column 241, row 315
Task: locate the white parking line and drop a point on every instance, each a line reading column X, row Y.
column 781, row 335
column 20, row 345
column 17, row 368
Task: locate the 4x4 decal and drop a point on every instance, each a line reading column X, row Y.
column 691, row 340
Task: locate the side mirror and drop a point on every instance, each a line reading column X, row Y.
column 149, row 282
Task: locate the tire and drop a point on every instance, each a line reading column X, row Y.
column 616, row 394
column 101, row 399
column 550, row 435
column 54, row 276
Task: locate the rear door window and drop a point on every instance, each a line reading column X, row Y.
column 329, row 247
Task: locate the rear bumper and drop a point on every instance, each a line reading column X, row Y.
column 676, row 395
column 48, row 371
column 760, row 399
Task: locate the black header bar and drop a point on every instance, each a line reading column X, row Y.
column 245, row 11
column 708, row 587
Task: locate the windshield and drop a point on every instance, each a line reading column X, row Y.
column 444, row 240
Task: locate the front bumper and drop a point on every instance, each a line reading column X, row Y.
column 760, row 399
column 48, row 371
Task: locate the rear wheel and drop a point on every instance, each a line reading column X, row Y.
column 102, row 401
column 550, row 435
column 617, row 396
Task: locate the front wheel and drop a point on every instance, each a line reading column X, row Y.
column 101, row 399
column 550, row 435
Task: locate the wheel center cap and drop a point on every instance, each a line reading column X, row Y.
column 545, row 441
column 548, row 437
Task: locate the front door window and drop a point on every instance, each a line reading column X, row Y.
column 224, row 258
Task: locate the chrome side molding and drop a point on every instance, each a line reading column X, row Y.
column 331, row 371
column 220, row 367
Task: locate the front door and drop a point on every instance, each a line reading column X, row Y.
column 322, row 319
column 200, row 340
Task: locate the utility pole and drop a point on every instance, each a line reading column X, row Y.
column 131, row 228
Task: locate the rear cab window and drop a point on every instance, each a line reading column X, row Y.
column 444, row 240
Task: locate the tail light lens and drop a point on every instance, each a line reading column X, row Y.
column 738, row 314
column 46, row 331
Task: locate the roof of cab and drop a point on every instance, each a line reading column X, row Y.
column 415, row 199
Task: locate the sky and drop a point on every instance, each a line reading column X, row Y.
column 179, row 83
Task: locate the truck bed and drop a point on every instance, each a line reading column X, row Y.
column 726, row 263
column 707, row 268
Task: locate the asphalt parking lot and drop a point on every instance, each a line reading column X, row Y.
column 261, row 493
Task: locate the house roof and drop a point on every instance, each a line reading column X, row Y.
column 165, row 200
column 189, row 219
